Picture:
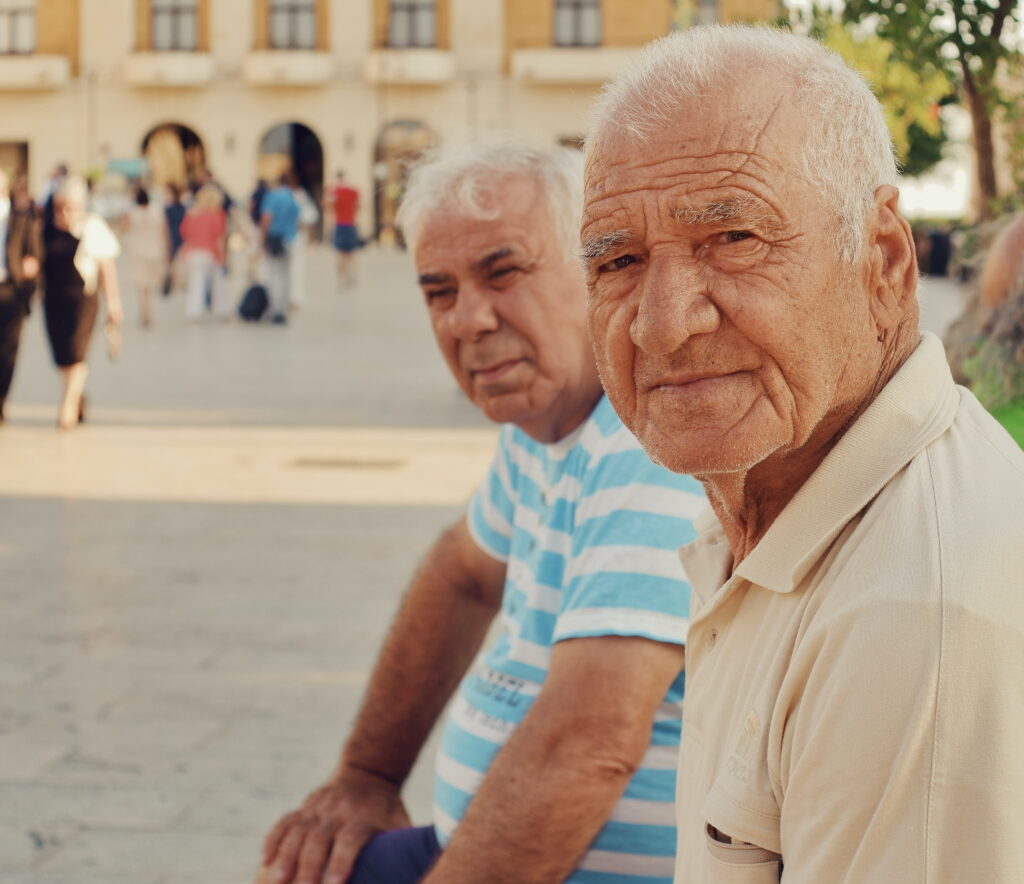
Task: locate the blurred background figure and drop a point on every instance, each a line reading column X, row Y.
column 46, row 198
column 174, row 214
column 204, row 250
column 309, row 217
column 343, row 199
column 279, row 223
column 256, row 200
column 204, row 178
column 256, row 265
column 20, row 254
column 78, row 267
column 144, row 238
column 1002, row 273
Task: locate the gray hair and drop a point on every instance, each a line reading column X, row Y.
column 468, row 179
column 847, row 152
column 73, row 190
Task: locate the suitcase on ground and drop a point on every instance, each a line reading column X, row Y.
column 254, row 303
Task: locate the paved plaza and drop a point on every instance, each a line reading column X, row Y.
column 194, row 584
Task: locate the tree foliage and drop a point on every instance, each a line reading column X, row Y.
column 966, row 41
column 911, row 98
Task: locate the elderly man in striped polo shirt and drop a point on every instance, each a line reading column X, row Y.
column 559, row 750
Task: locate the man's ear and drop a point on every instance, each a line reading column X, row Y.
column 893, row 260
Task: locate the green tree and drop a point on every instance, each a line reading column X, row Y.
column 910, row 98
column 966, row 41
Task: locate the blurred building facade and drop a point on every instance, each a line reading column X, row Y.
column 249, row 88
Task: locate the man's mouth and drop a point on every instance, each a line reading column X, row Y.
column 691, row 382
column 488, row 374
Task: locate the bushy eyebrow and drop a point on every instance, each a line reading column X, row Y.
column 434, row 278
column 597, row 247
column 742, row 208
column 489, row 260
column 481, row 265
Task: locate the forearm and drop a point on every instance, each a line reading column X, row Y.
column 109, row 284
column 558, row 779
column 438, row 630
column 534, row 816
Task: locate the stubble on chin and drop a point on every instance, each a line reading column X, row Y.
column 699, row 447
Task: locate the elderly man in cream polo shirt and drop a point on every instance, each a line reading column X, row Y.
column 855, row 666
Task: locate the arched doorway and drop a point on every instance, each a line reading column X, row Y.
column 174, row 153
column 296, row 149
column 399, row 145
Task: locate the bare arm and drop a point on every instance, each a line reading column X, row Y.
column 111, row 290
column 438, row 630
column 32, row 249
column 222, row 243
column 556, row 782
column 165, row 226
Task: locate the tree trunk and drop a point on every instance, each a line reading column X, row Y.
column 984, row 148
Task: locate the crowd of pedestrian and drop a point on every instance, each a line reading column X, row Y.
column 71, row 243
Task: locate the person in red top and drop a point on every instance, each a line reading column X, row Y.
column 203, row 235
column 344, row 199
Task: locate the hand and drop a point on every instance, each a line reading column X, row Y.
column 29, row 267
column 324, row 836
column 115, row 313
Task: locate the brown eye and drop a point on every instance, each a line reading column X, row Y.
column 737, row 235
column 436, row 295
column 620, row 263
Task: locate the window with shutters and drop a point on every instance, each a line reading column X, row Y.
column 17, row 27
column 175, row 26
column 577, row 22
column 292, row 24
column 412, row 23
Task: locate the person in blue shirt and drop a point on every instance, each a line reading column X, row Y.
column 279, row 225
column 558, row 755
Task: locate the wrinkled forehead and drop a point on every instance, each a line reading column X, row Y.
column 513, row 217
column 730, row 128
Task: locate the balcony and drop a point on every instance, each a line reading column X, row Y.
column 568, row 66
column 169, row 69
column 409, row 67
column 288, row 67
column 19, row 72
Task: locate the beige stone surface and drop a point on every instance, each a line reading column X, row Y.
column 196, row 581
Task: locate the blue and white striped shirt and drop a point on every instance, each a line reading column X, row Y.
column 589, row 528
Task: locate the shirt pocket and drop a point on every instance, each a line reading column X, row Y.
column 739, row 862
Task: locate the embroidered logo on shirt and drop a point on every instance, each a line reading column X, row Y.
column 748, row 739
column 739, row 762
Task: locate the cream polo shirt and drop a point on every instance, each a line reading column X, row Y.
column 855, row 691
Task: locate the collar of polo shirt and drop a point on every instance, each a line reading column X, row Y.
column 912, row 410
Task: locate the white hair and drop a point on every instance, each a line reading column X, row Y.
column 846, row 152
column 469, row 179
column 72, row 190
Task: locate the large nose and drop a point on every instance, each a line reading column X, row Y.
column 675, row 305
column 473, row 314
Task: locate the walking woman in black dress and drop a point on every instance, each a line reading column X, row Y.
column 78, row 266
